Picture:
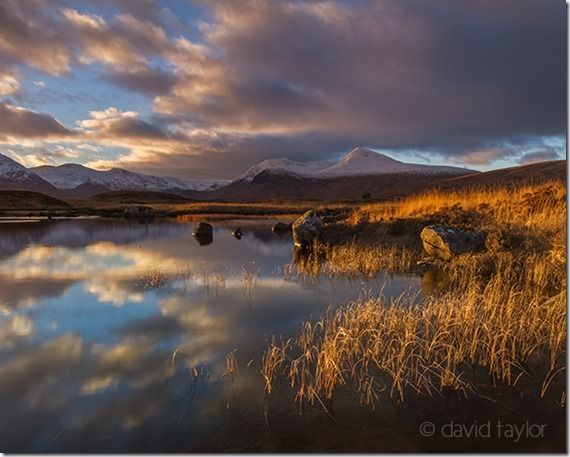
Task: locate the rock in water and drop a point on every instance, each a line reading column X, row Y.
column 204, row 240
column 281, row 227
column 203, row 230
column 237, row 233
column 307, row 228
column 446, row 242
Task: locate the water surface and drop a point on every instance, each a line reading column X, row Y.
column 115, row 335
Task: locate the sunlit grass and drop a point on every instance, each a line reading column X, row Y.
column 529, row 206
column 503, row 311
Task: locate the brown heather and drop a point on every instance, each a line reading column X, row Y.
column 502, row 314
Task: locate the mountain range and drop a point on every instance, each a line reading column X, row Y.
column 74, row 180
column 358, row 162
column 79, row 181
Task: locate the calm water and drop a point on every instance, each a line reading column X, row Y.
column 114, row 335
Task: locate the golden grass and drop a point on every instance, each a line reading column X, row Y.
column 503, row 312
column 529, row 205
column 356, row 258
column 190, row 212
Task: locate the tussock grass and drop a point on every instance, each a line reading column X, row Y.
column 356, row 258
column 528, row 206
column 502, row 316
column 190, row 212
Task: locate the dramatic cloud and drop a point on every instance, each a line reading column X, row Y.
column 539, row 156
column 152, row 81
column 113, row 124
column 19, row 123
column 125, row 41
column 475, row 83
column 8, row 84
column 30, row 34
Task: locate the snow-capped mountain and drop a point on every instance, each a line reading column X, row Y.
column 363, row 161
column 10, row 169
column 69, row 176
column 15, row 176
column 358, row 162
column 74, row 180
column 290, row 166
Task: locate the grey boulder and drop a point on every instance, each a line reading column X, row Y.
column 307, row 228
column 445, row 242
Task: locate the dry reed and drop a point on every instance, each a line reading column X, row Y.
column 503, row 312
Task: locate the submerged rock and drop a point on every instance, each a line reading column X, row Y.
column 237, row 233
column 281, row 227
column 204, row 240
column 203, row 229
column 307, row 228
column 447, row 242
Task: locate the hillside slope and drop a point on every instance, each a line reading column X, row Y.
column 27, row 200
column 274, row 185
column 523, row 174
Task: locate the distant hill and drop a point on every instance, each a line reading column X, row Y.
column 358, row 162
column 523, row 174
column 27, row 200
column 135, row 198
column 79, row 180
column 276, row 185
column 269, row 185
column 14, row 176
column 360, row 173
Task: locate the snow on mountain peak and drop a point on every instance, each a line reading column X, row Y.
column 361, row 153
column 305, row 169
column 363, row 161
column 69, row 176
column 358, row 162
column 12, row 170
column 8, row 164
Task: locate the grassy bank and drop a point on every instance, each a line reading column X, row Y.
column 500, row 321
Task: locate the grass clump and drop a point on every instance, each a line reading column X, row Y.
column 500, row 321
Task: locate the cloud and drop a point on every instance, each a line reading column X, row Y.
column 30, row 34
column 324, row 77
column 309, row 80
column 8, row 85
column 539, row 156
column 113, row 125
column 485, row 156
column 385, row 70
column 148, row 80
column 55, row 38
column 21, row 123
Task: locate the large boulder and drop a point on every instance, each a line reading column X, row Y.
column 307, row 228
column 447, row 242
column 203, row 229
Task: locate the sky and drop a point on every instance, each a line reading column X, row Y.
column 205, row 89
